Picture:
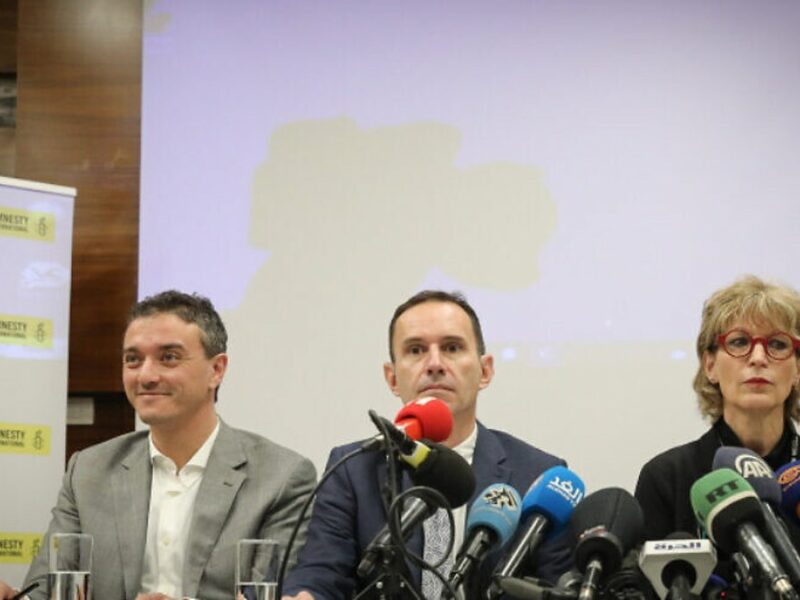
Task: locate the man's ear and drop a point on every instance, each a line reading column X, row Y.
column 487, row 370
column 219, row 364
column 390, row 377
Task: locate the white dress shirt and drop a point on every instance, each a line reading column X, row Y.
column 466, row 450
column 172, row 497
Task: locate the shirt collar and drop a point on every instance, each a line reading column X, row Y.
column 466, row 449
column 199, row 459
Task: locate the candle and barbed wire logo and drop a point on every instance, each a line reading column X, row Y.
column 36, row 545
column 22, row 330
column 19, row 548
column 38, row 440
column 25, row 438
column 40, row 333
column 32, row 225
column 42, row 228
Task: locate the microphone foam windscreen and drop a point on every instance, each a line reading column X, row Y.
column 433, row 417
column 446, row 472
column 722, row 500
column 789, row 480
column 554, row 494
column 498, row 508
column 753, row 468
column 608, row 522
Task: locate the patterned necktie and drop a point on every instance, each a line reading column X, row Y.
column 437, row 537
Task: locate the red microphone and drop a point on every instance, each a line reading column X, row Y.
column 427, row 418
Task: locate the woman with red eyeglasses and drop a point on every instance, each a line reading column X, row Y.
column 747, row 387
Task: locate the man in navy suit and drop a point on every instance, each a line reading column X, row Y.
column 436, row 349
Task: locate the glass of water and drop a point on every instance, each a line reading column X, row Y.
column 257, row 563
column 70, row 566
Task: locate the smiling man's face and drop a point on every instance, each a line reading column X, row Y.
column 167, row 376
column 436, row 354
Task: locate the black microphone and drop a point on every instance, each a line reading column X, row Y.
column 443, row 470
column 528, row 588
column 758, row 474
column 679, row 566
column 607, row 524
column 492, row 520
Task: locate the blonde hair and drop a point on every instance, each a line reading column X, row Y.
column 747, row 299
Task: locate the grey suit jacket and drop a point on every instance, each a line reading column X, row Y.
column 251, row 488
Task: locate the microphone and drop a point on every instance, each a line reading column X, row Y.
column 548, row 505
column 789, row 479
column 730, row 512
column 679, row 566
column 531, row 589
column 443, row 470
column 759, row 475
column 428, row 418
column 492, row 520
column 607, row 524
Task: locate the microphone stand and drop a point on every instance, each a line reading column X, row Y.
column 393, row 581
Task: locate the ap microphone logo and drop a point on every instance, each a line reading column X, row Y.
column 501, row 497
column 751, row 466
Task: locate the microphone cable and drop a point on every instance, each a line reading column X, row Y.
column 390, row 448
column 436, row 500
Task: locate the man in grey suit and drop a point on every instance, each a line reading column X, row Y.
column 167, row 507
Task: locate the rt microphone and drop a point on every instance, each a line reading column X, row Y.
column 492, row 520
column 758, row 474
column 547, row 506
column 607, row 525
column 728, row 509
column 445, row 471
column 679, row 566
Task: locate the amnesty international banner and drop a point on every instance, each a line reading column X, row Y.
column 35, row 263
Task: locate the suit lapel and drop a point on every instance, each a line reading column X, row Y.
column 221, row 482
column 488, row 462
column 130, row 486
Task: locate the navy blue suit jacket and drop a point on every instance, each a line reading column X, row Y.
column 349, row 512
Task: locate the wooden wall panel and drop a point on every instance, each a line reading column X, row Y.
column 8, row 68
column 78, row 124
column 8, row 36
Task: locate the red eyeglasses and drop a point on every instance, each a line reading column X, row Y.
column 739, row 343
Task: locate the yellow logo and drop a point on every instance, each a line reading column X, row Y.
column 16, row 222
column 24, row 439
column 19, row 548
column 789, row 476
column 26, row 331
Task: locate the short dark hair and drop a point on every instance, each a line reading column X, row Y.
column 456, row 298
column 190, row 308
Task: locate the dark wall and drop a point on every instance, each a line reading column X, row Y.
column 78, row 125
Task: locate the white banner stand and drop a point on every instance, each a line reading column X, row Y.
column 35, row 278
